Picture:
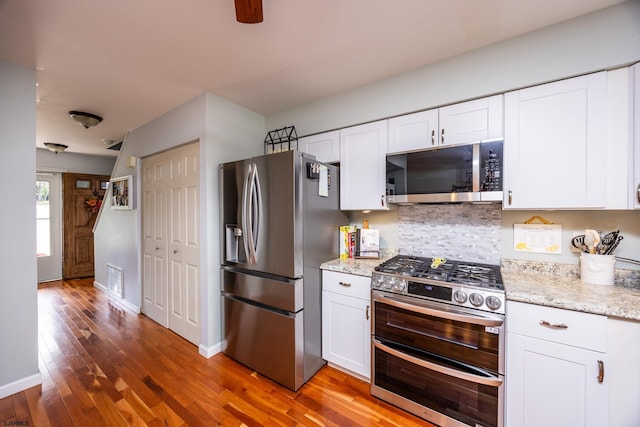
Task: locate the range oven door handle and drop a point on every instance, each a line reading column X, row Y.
column 473, row 319
column 477, row 379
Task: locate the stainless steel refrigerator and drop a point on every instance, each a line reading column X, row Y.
column 280, row 218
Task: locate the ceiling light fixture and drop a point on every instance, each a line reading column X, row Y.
column 87, row 120
column 55, row 147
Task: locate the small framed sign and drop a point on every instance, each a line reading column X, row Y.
column 540, row 238
column 122, row 192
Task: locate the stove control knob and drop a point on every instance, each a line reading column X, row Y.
column 460, row 296
column 389, row 283
column 493, row 302
column 476, row 299
column 400, row 285
column 377, row 281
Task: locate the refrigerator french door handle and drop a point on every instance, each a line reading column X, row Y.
column 245, row 224
column 254, row 206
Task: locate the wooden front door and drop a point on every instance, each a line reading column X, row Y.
column 80, row 192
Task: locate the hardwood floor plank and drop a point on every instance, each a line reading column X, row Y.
column 37, row 409
column 102, row 365
column 7, row 411
column 138, row 405
column 130, row 414
column 108, row 409
column 168, row 417
column 21, row 408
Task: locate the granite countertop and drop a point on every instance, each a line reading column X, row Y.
column 559, row 286
column 358, row 266
column 547, row 284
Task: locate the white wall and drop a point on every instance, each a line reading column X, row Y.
column 74, row 162
column 603, row 39
column 225, row 132
column 18, row 281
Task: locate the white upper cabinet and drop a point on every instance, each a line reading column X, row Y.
column 472, row 121
column 413, row 132
column 325, row 146
column 466, row 122
column 362, row 166
column 555, row 145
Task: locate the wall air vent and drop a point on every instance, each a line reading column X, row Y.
column 115, row 279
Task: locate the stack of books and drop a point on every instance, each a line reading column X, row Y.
column 359, row 242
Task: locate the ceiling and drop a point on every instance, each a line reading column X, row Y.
column 130, row 61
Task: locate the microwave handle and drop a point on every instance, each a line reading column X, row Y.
column 477, row 379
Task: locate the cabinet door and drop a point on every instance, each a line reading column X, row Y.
column 325, row 146
column 472, row 121
column 412, row 132
column 346, row 332
column 362, row 166
column 554, row 151
column 551, row 384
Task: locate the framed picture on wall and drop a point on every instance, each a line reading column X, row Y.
column 122, row 192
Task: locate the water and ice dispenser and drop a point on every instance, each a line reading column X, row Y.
column 234, row 249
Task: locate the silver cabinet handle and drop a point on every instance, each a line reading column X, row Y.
column 442, row 136
column 600, row 371
column 345, row 284
column 367, row 313
column 433, row 140
column 553, row 325
column 510, row 197
column 638, row 193
column 382, row 200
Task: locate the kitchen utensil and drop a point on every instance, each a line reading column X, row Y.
column 578, row 242
column 613, row 247
column 629, row 260
column 591, row 240
column 607, row 240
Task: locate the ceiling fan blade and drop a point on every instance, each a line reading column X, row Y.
column 249, row 11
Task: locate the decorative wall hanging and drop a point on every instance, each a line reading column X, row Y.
column 122, row 192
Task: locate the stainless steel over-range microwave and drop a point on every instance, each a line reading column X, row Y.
column 461, row 173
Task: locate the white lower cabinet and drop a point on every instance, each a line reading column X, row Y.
column 346, row 321
column 557, row 369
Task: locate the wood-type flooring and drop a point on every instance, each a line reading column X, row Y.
column 103, row 365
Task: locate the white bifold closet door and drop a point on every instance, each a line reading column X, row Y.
column 171, row 240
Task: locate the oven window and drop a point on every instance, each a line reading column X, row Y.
column 468, row 402
column 462, row 341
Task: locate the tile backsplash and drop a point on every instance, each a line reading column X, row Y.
column 468, row 232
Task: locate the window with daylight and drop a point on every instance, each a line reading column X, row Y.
column 43, row 218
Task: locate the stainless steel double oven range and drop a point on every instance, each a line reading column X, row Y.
column 438, row 340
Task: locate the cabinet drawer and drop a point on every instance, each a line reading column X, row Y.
column 347, row 284
column 568, row 327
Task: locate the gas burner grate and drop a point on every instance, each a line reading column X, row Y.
column 459, row 272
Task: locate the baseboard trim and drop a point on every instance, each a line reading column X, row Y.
column 20, row 385
column 209, row 352
column 116, row 299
